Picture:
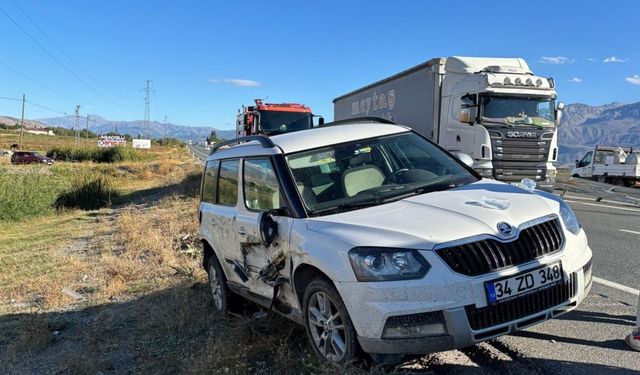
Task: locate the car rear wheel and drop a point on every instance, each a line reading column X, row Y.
column 328, row 324
column 220, row 293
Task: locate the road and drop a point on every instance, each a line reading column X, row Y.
column 585, row 341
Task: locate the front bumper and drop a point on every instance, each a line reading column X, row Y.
column 370, row 305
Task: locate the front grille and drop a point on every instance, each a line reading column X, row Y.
column 517, row 158
column 488, row 255
column 521, row 307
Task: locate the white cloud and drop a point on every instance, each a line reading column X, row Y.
column 613, row 59
column 591, row 59
column 635, row 80
column 575, row 80
column 556, row 60
column 237, row 82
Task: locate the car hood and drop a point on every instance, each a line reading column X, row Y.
column 426, row 220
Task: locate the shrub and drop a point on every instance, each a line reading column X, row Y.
column 87, row 192
column 30, row 192
column 97, row 155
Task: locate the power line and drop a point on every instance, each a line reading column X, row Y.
column 47, row 108
column 62, row 51
column 43, row 84
column 14, row 99
column 54, row 57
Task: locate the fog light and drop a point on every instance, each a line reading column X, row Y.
column 415, row 325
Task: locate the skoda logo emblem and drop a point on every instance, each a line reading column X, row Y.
column 504, row 228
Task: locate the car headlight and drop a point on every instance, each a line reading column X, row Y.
column 384, row 264
column 569, row 218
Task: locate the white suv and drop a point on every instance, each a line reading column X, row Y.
column 375, row 238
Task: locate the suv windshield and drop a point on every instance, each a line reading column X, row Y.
column 373, row 171
column 273, row 122
column 510, row 110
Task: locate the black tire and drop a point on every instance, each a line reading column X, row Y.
column 221, row 297
column 336, row 330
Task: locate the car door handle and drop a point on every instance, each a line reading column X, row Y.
column 242, row 231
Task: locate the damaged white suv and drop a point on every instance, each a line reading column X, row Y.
column 375, row 238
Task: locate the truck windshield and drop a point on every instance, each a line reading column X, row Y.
column 373, row 171
column 274, row 122
column 510, row 110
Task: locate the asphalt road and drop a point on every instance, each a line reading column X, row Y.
column 588, row 340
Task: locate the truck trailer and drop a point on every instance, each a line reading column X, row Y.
column 492, row 109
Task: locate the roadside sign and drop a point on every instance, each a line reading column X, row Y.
column 141, row 143
column 111, row 141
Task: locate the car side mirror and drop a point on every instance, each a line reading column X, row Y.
column 465, row 158
column 268, row 228
column 577, row 162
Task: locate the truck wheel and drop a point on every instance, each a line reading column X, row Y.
column 222, row 297
column 327, row 322
column 620, row 182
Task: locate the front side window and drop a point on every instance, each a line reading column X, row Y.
column 373, row 171
column 511, row 110
column 228, row 182
column 209, row 181
column 586, row 160
column 261, row 187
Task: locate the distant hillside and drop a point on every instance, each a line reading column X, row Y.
column 585, row 126
column 101, row 125
column 12, row 121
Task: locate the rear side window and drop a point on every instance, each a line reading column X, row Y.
column 261, row 188
column 228, row 182
column 209, row 181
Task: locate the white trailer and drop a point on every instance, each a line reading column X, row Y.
column 611, row 164
column 493, row 109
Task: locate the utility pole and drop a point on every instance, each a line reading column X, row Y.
column 147, row 116
column 164, row 131
column 22, row 120
column 87, row 127
column 77, row 122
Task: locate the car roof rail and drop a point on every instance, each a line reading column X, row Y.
column 264, row 141
column 354, row 120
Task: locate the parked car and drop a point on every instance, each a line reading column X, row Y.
column 29, row 157
column 375, row 238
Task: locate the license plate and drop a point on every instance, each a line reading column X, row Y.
column 515, row 286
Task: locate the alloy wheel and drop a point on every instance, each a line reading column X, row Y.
column 327, row 328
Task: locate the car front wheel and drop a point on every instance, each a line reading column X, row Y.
column 328, row 324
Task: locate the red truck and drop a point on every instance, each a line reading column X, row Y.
column 271, row 118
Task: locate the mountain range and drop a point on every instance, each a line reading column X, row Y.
column 583, row 126
column 157, row 129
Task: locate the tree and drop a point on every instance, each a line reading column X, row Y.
column 213, row 138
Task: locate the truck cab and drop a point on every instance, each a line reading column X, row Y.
column 503, row 116
column 270, row 119
column 610, row 164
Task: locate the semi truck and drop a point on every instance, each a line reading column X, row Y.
column 493, row 109
column 271, row 118
column 610, row 164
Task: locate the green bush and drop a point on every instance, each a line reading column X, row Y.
column 87, row 192
column 97, row 155
column 31, row 192
column 36, row 191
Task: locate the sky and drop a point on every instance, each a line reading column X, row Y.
column 207, row 58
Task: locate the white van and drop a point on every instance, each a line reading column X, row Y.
column 373, row 237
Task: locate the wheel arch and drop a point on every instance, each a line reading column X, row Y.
column 303, row 275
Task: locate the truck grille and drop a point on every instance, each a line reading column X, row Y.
column 488, row 255
column 530, row 304
column 517, row 158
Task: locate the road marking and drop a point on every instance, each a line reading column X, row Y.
column 605, row 206
column 616, row 285
column 629, row 231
